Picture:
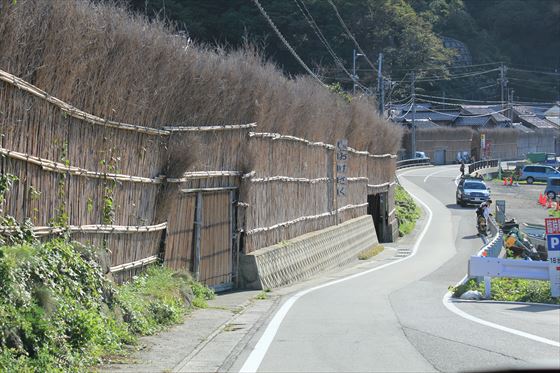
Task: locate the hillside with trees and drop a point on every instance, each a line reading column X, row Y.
column 522, row 34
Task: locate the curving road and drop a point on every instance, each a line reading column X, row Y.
column 391, row 315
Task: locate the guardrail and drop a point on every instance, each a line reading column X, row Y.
column 493, row 247
column 482, row 164
column 487, row 264
column 405, row 163
column 486, row 267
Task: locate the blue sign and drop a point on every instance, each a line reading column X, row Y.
column 553, row 242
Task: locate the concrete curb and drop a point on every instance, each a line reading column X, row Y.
column 306, row 255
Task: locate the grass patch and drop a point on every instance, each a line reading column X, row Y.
column 511, row 290
column 59, row 313
column 407, row 211
column 373, row 251
column 262, row 295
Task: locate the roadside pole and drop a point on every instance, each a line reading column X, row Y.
column 413, row 93
column 552, row 226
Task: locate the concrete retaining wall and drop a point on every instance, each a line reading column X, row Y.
column 297, row 259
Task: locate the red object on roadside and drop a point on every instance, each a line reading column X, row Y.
column 484, row 253
column 505, row 180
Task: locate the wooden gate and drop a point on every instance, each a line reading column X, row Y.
column 200, row 237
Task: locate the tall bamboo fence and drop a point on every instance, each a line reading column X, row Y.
column 119, row 186
column 450, row 140
column 501, row 143
column 291, row 189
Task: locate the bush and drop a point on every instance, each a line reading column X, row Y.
column 512, row 290
column 407, row 211
column 58, row 311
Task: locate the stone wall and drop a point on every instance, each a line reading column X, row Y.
column 300, row 258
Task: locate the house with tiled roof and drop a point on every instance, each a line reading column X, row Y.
column 493, row 113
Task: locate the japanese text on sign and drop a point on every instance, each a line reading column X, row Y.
column 552, row 225
column 341, row 167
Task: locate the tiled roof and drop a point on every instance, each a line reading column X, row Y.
column 553, row 111
column 555, row 120
column 481, row 110
column 442, row 116
column 537, row 122
column 422, row 123
column 530, row 110
column 522, row 128
column 472, row 121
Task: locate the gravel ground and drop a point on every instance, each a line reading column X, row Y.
column 521, row 201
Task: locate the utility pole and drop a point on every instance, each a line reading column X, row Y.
column 510, row 105
column 503, row 83
column 354, row 76
column 413, row 93
column 354, row 72
column 381, row 86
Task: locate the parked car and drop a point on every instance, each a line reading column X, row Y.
column 471, row 191
column 420, row 155
column 552, row 187
column 532, row 173
column 543, row 158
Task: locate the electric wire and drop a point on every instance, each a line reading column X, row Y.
column 468, row 116
column 405, row 114
column 349, row 33
column 458, row 76
column 535, row 71
column 279, row 34
column 457, row 99
column 337, row 60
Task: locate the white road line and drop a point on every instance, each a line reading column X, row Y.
column 457, row 180
column 451, row 307
column 437, row 172
column 257, row 355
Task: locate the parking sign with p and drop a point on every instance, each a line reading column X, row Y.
column 553, row 241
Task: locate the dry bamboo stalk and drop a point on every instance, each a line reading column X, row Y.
column 49, row 165
column 203, row 175
column 304, row 218
column 210, row 128
column 93, row 228
column 135, row 264
column 290, row 179
column 379, row 185
column 74, row 112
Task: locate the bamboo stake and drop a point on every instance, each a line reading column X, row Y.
column 74, row 112
column 51, row 166
column 210, row 128
column 135, row 264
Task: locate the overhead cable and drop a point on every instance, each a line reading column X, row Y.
column 347, row 30
column 279, row 34
column 456, row 99
column 458, row 76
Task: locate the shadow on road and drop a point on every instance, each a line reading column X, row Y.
column 471, row 237
column 533, row 308
column 455, row 206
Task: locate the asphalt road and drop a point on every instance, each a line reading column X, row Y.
column 392, row 317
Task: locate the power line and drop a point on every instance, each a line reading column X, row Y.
column 454, row 67
column 309, row 18
column 468, row 116
column 533, row 81
column 347, row 30
column 457, row 99
column 557, row 74
column 458, row 76
column 337, row 60
column 279, row 34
